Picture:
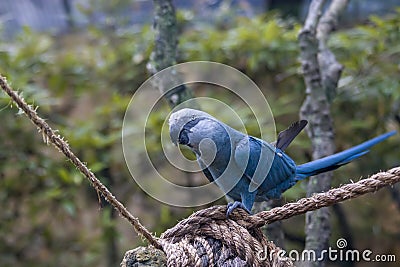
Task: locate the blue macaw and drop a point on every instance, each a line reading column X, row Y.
column 255, row 170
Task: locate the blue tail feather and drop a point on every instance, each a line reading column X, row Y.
column 334, row 161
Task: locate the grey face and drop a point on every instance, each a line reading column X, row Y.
column 181, row 122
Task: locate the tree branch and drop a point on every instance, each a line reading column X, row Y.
column 329, row 20
column 331, row 69
column 313, row 16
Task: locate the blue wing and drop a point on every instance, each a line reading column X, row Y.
column 269, row 169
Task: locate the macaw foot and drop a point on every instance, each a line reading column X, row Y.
column 233, row 205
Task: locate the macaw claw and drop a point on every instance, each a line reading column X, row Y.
column 234, row 205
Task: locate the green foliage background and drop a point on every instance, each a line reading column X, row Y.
column 82, row 83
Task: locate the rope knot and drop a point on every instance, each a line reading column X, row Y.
column 207, row 238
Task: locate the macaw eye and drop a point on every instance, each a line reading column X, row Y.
column 183, row 138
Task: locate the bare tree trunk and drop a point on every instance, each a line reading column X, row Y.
column 321, row 74
column 165, row 50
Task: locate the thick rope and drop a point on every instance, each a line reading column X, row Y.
column 223, row 243
column 49, row 135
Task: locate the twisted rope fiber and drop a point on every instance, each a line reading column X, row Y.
column 242, row 244
column 49, row 135
column 240, row 234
